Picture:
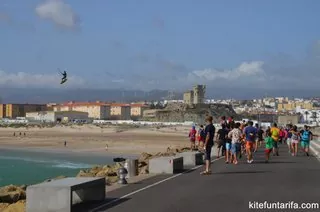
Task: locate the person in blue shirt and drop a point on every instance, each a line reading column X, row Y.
column 306, row 136
column 250, row 134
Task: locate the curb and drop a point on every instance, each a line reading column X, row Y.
column 315, row 149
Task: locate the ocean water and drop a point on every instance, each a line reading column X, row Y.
column 29, row 167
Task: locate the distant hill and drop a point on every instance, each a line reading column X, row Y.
column 28, row 95
column 19, row 95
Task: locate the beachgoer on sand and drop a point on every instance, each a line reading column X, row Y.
column 201, row 135
column 192, row 137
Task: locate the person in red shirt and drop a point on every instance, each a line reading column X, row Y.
column 192, row 136
column 201, row 136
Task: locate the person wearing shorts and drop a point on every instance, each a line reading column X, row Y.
column 192, row 137
column 269, row 146
column 209, row 130
column 235, row 136
column 250, row 133
column 288, row 140
column 221, row 138
column 275, row 135
column 306, row 136
column 295, row 137
column 228, row 149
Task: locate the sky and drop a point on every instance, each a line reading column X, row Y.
column 149, row 44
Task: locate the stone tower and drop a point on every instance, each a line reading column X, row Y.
column 198, row 94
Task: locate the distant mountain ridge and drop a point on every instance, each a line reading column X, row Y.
column 33, row 95
column 19, row 95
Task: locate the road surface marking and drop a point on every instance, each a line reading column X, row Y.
column 316, row 144
column 315, row 152
column 149, row 186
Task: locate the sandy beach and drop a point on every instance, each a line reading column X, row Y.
column 93, row 139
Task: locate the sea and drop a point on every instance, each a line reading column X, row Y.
column 25, row 167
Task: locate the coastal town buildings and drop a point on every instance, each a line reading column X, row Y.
column 19, row 110
column 292, row 105
column 136, row 110
column 95, row 110
column 120, row 111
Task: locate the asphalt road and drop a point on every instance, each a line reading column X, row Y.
column 229, row 188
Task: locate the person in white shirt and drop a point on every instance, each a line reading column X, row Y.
column 235, row 136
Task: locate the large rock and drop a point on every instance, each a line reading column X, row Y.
column 84, row 173
column 144, row 170
column 3, row 206
column 16, row 207
column 144, row 157
column 94, row 170
column 101, row 171
column 12, row 194
column 111, row 180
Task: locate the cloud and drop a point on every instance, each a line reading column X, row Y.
column 26, row 80
column 59, row 12
column 245, row 69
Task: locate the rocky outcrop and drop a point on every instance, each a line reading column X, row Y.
column 107, row 171
column 179, row 112
column 11, row 194
column 19, row 206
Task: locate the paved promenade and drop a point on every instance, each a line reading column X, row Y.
column 229, row 188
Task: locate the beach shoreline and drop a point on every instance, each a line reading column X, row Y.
column 110, row 140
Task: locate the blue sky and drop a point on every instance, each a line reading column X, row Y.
column 148, row 44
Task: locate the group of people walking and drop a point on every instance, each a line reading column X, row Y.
column 234, row 139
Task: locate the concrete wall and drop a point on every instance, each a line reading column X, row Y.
column 70, row 115
column 283, row 120
column 53, row 116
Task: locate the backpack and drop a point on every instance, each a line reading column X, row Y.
column 305, row 135
column 281, row 134
column 202, row 134
column 289, row 133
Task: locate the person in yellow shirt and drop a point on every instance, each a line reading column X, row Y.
column 275, row 135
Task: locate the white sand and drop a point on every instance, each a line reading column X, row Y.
column 89, row 138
